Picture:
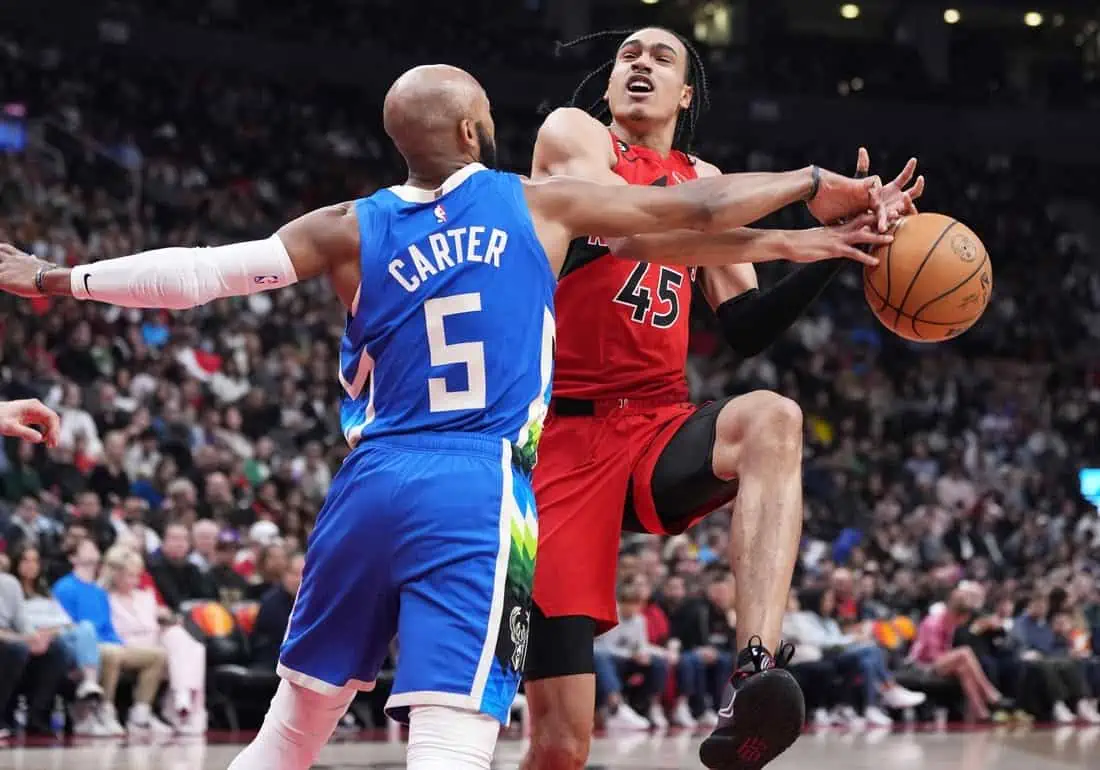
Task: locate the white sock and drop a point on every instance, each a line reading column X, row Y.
column 140, row 713
column 298, row 724
column 446, row 738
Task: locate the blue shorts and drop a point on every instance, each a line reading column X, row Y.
column 429, row 538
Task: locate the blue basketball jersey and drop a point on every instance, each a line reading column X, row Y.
column 453, row 325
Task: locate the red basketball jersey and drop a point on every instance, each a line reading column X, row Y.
column 622, row 326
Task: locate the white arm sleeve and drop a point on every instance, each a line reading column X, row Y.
column 180, row 278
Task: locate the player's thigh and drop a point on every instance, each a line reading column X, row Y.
column 673, row 484
column 580, row 485
column 345, row 613
column 466, row 568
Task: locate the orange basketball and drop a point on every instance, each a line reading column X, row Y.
column 933, row 282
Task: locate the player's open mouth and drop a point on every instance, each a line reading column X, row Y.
column 639, row 84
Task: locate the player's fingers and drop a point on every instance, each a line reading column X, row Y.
column 906, row 174
column 857, row 255
column 866, row 219
column 917, row 189
column 863, row 163
column 25, row 432
column 869, row 237
column 876, row 204
column 49, row 420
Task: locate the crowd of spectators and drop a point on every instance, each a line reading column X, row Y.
column 946, row 547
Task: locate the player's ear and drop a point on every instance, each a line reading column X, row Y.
column 467, row 133
column 685, row 97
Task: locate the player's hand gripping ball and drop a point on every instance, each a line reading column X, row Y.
column 933, row 282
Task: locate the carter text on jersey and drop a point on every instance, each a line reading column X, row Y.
column 448, row 249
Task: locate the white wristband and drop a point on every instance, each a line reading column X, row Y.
column 180, row 278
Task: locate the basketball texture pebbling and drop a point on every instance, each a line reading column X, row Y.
column 933, row 282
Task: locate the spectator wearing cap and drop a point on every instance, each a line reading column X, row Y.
column 177, row 579
column 274, row 615
column 231, row 585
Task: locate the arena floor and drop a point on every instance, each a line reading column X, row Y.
column 1008, row 749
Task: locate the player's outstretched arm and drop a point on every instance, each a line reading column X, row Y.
column 746, row 245
column 565, row 207
column 179, row 278
column 711, row 205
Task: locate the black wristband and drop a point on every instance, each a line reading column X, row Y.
column 815, row 179
column 40, row 276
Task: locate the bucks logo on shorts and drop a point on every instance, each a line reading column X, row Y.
column 515, row 620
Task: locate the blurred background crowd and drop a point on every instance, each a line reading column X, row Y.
column 950, row 566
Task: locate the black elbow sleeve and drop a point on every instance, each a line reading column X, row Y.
column 739, row 318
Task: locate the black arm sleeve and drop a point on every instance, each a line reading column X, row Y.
column 754, row 320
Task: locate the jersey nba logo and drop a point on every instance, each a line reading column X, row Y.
column 595, row 240
column 440, row 214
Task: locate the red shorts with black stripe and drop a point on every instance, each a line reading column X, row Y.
column 593, row 471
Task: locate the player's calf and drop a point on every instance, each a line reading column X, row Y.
column 561, row 710
column 758, row 441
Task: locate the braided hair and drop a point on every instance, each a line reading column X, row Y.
column 695, row 75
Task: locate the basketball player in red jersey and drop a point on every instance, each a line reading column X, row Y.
column 622, row 447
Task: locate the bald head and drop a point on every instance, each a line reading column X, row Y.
column 438, row 117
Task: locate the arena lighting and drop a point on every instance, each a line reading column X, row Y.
column 650, row 2
column 1033, row 18
column 849, row 11
column 952, row 16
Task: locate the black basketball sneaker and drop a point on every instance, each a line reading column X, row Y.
column 762, row 712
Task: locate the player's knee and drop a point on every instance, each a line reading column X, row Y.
column 762, row 423
column 775, row 423
column 558, row 745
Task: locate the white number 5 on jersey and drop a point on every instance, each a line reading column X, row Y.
column 470, row 354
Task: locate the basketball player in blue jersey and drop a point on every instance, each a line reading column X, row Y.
column 429, row 529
